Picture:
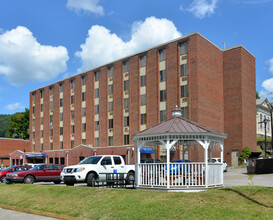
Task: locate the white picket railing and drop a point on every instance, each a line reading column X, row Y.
column 181, row 174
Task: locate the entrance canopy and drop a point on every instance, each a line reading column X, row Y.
column 179, row 131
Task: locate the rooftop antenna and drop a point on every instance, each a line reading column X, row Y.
column 224, row 45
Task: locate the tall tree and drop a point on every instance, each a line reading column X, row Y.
column 19, row 125
column 257, row 95
column 4, row 123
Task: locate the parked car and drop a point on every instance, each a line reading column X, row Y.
column 149, row 160
column 39, row 173
column 8, row 170
column 218, row 160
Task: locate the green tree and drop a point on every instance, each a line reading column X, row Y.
column 19, row 125
column 4, row 123
column 257, row 95
column 245, row 153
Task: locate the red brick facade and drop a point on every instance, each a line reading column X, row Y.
column 221, row 88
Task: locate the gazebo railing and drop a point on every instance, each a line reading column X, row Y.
column 181, row 174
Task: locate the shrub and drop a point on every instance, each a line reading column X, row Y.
column 245, row 153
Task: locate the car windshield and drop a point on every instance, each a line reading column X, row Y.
column 8, row 168
column 91, row 160
column 39, row 167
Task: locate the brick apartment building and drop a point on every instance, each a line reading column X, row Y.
column 98, row 111
column 8, row 146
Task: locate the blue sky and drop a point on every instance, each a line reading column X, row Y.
column 44, row 41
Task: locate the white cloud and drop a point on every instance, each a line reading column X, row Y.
column 15, row 106
column 23, row 59
column 102, row 46
column 268, row 83
column 202, row 8
column 85, row 6
column 271, row 65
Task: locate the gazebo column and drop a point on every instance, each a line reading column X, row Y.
column 168, row 146
column 139, row 145
column 205, row 145
column 222, row 160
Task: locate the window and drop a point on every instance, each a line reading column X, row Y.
column 51, row 132
column 33, row 134
column 126, row 139
column 162, row 55
column 142, row 61
column 143, row 119
column 185, row 112
column 96, row 109
column 117, row 160
column 126, row 121
column 110, row 121
column 84, row 127
column 106, row 161
column 61, row 116
column 110, row 71
column 126, row 103
column 61, row 145
column 97, row 140
column 72, row 84
column 42, row 120
column 83, row 141
column 51, row 160
column 33, row 109
column 61, row 102
column 83, row 112
column 83, row 96
column 184, row 70
column 42, row 94
column 83, row 80
column 33, row 97
column 110, row 141
column 126, row 85
column 184, row 91
column 56, row 160
column 72, row 99
column 184, row 48
column 143, row 80
column 72, row 143
column 51, row 118
column 126, row 67
column 42, row 134
column 163, row 96
column 143, row 100
column 162, row 75
column 72, row 114
column 97, row 76
column 110, row 89
column 72, row 129
column 110, row 106
column 41, row 107
column 97, row 123
column 162, row 115
column 61, row 87
column 51, row 105
column 97, row 93
column 61, row 130
column 51, row 90
column 62, row 160
column 51, row 146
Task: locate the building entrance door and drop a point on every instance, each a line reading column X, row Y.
column 234, row 158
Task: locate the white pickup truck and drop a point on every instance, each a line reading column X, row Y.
column 96, row 167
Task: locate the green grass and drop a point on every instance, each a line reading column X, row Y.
column 248, row 202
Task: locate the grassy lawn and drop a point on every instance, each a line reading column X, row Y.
column 248, row 202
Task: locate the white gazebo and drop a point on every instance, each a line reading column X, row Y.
column 175, row 176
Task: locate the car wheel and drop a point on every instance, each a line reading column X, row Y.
column 29, row 180
column 130, row 178
column 57, row 182
column 90, row 179
column 3, row 179
column 69, row 184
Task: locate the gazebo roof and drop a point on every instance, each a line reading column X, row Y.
column 178, row 125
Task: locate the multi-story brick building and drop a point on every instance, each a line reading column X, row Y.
column 105, row 106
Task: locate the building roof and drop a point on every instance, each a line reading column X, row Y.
column 179, row 125
column 260, row 101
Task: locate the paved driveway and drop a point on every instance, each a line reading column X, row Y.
column 239, row 177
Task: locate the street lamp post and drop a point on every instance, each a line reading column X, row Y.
column 265, row 122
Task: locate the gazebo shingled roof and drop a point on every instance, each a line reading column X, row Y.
column 178, row 125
